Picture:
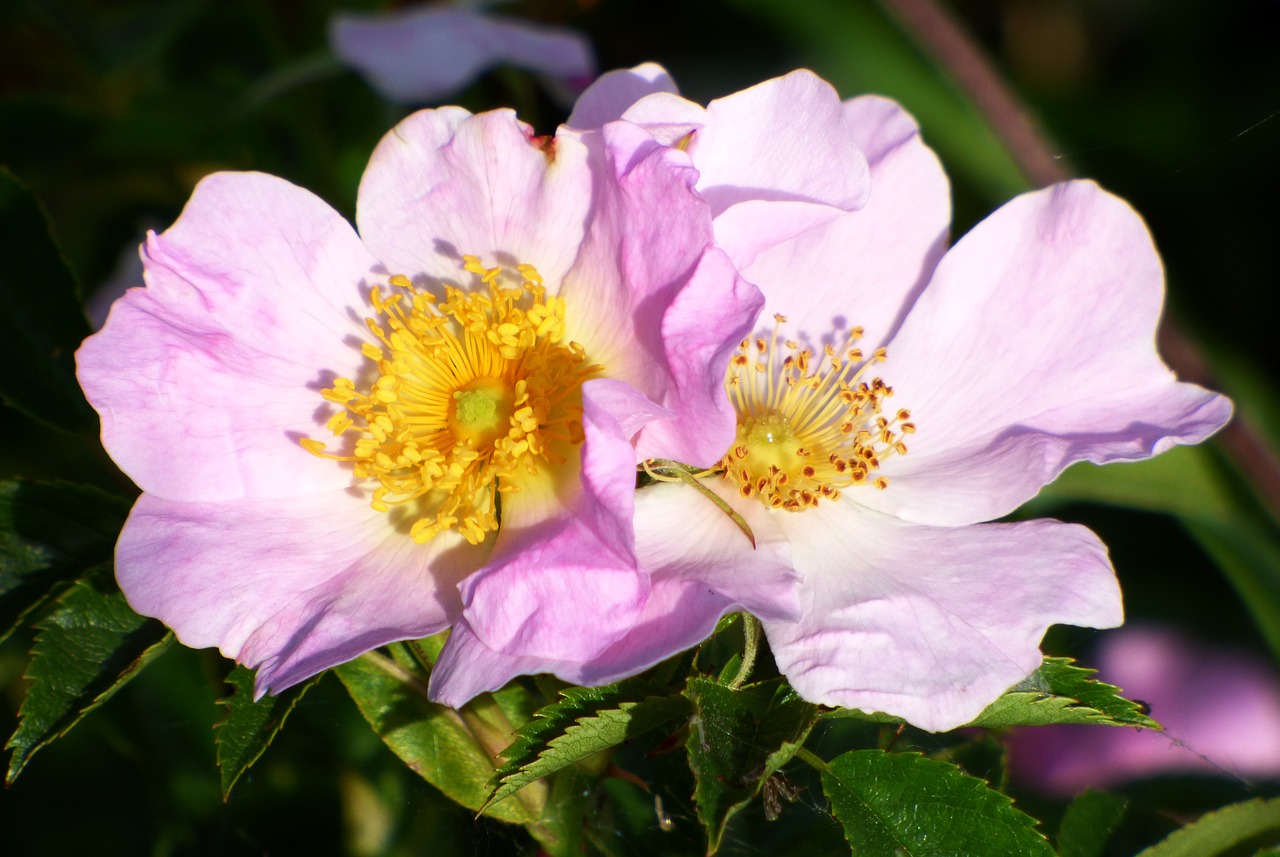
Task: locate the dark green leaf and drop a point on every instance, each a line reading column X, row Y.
column 454, row 754
column 738, row 739
column 584, row 722
column 249, row 727
column 982, row 757
column 87, row 649
column 1089, row 823
column 1060, row 692
column 1255, row 822
column 902, row 805
column 49, row 534
column 41, row 323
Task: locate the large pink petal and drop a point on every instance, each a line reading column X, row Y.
column 702, row 567
column 653, row 301
column 782, row 151
column 647, row 232
column 290, row 587
column 932, row 623
column 864, row 268
column 444, row 183
column 682, row 536
column 563, row 581
column 615, row 91
column 1032, row 348
column 677, row 614
column 700, row 331
column 421, row 55
column 786, row 138
column 206, row 378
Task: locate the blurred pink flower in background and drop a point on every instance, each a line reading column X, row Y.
column 424, row 54
column 1220, row 707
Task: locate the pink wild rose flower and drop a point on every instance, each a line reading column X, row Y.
column 895, row 396
column 327, row 425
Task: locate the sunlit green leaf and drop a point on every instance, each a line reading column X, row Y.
column 902, row 804
column 738, row 740
column 1256, row 822
column 249, row 727
column 50, row 533
column 582, row 723
column 87, row 649
column 433, row 740
column 1060, row 692
column 41, row 323
column 1057, row 692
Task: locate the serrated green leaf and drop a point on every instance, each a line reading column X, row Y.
column 585, row 721
column 902, row 805
column 433, row 740
column 1255, row 822
column 738, row 739
column 41, row 323
column 50, row 533
column 250, row 727
column 1060, row 692
column 87, row 649
column 1089, row 822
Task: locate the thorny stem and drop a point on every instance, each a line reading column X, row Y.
column 751, row 646
column 936, row 31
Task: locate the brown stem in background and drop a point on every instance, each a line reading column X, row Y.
column 942, row 37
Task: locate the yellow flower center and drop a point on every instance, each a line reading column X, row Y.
column 470, row 394
column 807, row 428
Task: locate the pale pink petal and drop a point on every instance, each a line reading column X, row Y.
column 865, row 268
column 1032, row 348
column 668, row 117
column 467, row 668
column 703, row 567
column 444, row 183
column 683, row 536
column 678, row 614
column 290, row 587
column 563, row 581
column 253, row 304
column 653, row 301
column 786, row 138
column 700, row 330
column 931, row 624
column 615, row 91
column 632, row 263
column 632, row 409
column 421, row 55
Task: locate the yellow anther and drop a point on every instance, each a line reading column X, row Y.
column 471, row 392
column 808, row 427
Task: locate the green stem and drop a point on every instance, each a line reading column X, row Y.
column 750, row 647
column 812, row 759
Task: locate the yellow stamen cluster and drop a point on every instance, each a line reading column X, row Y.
column 470, row 392
column 808, row 427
